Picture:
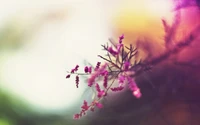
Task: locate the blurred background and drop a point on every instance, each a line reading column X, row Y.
column 41, row 40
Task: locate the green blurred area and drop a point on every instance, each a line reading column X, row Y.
column 14, row 111
column 11, row 36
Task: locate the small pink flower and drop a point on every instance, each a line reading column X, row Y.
column 76, row 68
column 99, row 105
column 105, row 81
column 76, row 116
column 121, row 38
column 117, row 88
column 137, row 93
column 68, row 76
column 85, row 105
column 133, row 86
column 121, row 79
column 92, row 78
column 73, row 70
column 77, row 81
column 102, row 70
column 111, row 51
column 101, row 93
column 90, row 69
column 97, row 66
column 126, row 65
column 97, row 87
column 119, row 46
column 86, row 69
column 104, row 73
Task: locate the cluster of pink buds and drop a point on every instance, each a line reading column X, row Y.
column 85, row 107
column 88, row 69
column 115, row 70
column 116, row 51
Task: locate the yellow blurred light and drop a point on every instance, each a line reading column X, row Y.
column 143, row 21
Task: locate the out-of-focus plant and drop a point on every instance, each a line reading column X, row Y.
column 122, row 67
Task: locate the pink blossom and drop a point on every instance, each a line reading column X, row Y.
column 133, row 86
column 121, row 38
column 91, row 80
column 90, row 69
column 137, row 93
column 102, row 69
column 119, row 46
column 98, row 87
column 73, row 70
column 101, row 93
column 77, row 81
column 104, row 72
column 86, row 69
column 99, row 105
column 105, row 81
column 76, row 68
column 111, row 51
column 76, row 116
column 126, row 65
column 117, row 88
column 97, row 66
column 121, row 79
column 68, row 76
column 85, row 105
